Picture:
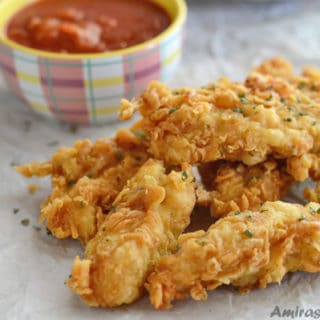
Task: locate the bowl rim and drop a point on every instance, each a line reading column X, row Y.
column 175, row 24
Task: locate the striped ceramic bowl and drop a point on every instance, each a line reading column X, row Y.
column 87, row 88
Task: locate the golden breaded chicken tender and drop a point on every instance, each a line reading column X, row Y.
column 148, row 215
column 232, row 186
column 86, row 179
column 247, row 250
column 221, row 121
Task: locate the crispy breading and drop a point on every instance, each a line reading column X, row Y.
column 221, row 121
column 234, row 186
column 246, row 250
column 86, row 179
column 301, row 95
column 149, row 214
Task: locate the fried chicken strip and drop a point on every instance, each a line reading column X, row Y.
column 222, row 121
column 247, row 250
column 149, row 215
column 301, row 95
column 234, row 186
column 86, row 179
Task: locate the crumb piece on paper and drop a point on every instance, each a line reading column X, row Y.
column 32, row 188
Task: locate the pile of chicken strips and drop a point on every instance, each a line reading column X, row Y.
column 129, row 198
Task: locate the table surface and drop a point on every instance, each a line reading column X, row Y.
column 224, row 38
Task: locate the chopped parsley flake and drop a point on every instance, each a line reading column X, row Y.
column 248, row 233
column 73, row 128
column 184, row 175
column 263, row 210
column 49, row 233
column 25, row 222
column 242, row 97
column 173, row 109
column 313, row 211
column 238, row 110
column 223, row 149
column 27, row 125
column 314, row 123
column 287, row 119
column 236, row 213
column 270, row 97
column 16, row 210
column 257, row 176
column 90, row 175
column 303, row 217
column 71, row 182
column 302, row 84
column 113, row 208
column 139, row 134
column 36, row 228
column 119, row 154
column 53, row 143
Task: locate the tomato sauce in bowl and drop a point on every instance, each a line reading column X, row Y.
column 86, row 26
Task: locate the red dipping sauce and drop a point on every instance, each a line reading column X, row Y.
column 87, row 26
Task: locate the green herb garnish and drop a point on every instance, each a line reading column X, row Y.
column 263, row 210
column 184, row 175
column 119, row 154
column 16, row 210
column 257, row 176
column 90, row 175
column 36, row 228
column 173, row 109
column 270, row 97
column 139, row 134
column 242, row 97
column 223, row 150
column 238, row 110
column 53, row 143
column 236, row 213
column 25, row 222
column 287, row 119
column 302, row 84
column 71, row 182
column 73, row 128
column 27, row 125
column 248, row 233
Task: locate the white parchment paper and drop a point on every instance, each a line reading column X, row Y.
column 224, row 38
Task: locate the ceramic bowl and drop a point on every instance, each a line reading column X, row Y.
column 87, row 88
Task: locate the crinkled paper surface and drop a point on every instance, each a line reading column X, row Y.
column 224, row 38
